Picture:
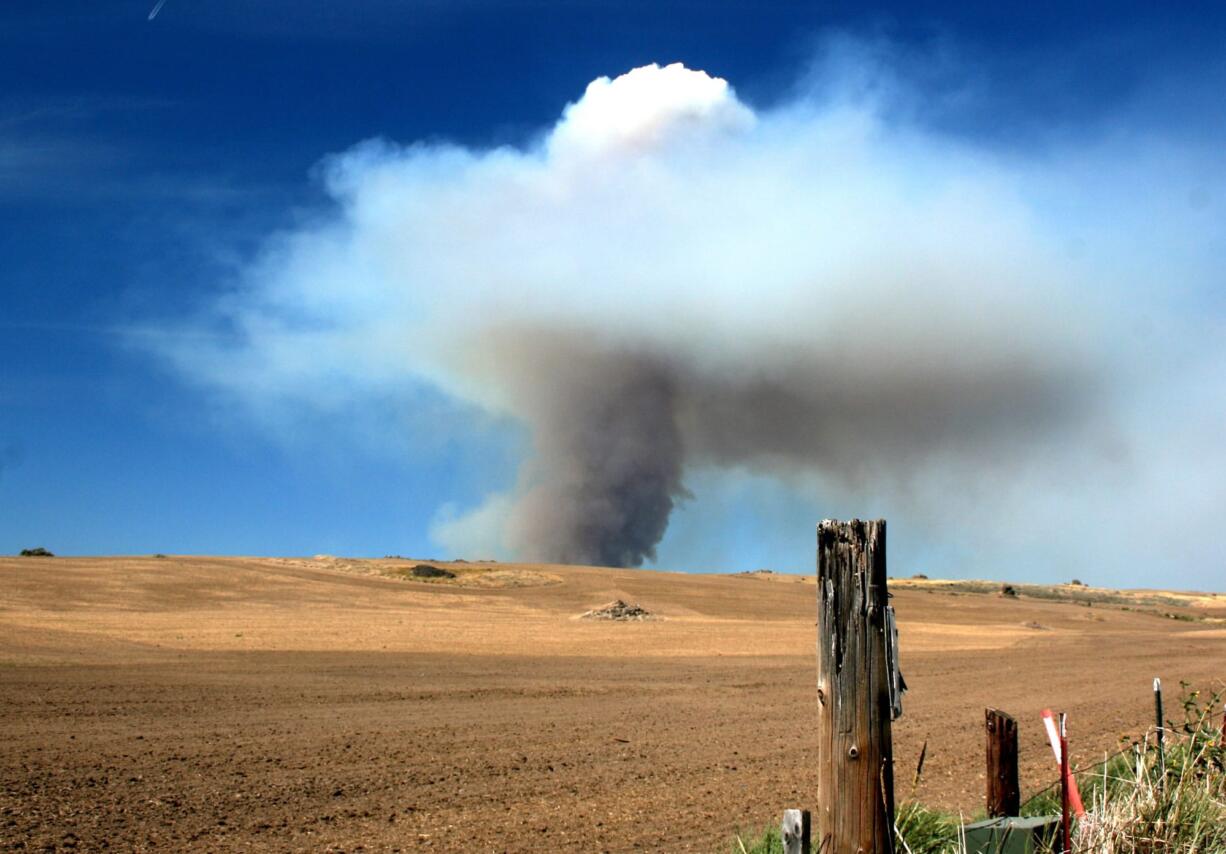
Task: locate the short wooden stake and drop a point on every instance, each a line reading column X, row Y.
column 855, row 779
column 796, row 832
column 1004, row 795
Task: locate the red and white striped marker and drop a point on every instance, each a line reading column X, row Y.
column 1053, row 735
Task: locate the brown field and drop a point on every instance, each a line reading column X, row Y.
column 322, row 704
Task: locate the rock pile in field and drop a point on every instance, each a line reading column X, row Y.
column 424, row 570
column 618, row 610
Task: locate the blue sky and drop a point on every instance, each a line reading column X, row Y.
column 145, row 166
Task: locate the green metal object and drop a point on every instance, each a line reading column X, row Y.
column 1011, row 835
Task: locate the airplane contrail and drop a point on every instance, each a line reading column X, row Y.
column 157, row 9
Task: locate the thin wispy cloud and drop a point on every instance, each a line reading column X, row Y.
column 68, row 111
column 50, row 145
column 127, row 331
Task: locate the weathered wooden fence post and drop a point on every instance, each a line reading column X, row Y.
column 1004, row 795
column 855, row 780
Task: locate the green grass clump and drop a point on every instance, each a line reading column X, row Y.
column 769, row 842
column 1174, row 799
column 921, row 830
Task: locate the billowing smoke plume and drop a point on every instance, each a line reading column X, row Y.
column 615, row 426
column 609, row 454
column 668, row 281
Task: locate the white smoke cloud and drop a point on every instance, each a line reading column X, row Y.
column 671, row 288
column 642, row 109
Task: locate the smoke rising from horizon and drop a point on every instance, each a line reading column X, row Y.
column 615, row 427
column 609, row 456
column 668, row 280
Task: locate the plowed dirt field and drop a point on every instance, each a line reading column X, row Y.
column 330, row 705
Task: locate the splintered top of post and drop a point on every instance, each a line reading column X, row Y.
column 856, row 531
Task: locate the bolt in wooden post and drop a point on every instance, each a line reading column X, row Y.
column 855, row 779
column 796, row 831
column 1004, row 796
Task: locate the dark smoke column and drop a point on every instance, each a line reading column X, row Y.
column 609, row 461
